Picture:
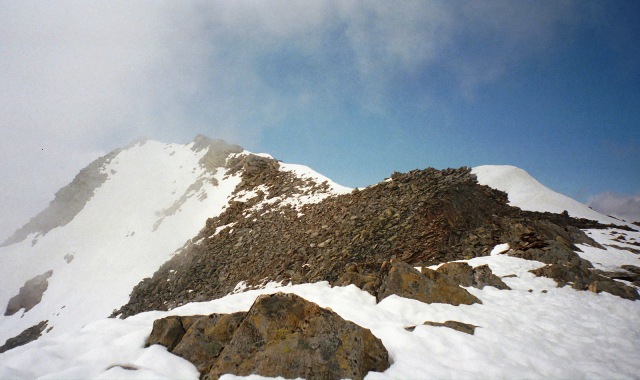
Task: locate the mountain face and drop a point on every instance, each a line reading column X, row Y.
column 119, row 220
column 154, row 230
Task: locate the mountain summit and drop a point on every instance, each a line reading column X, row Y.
column 155, row 230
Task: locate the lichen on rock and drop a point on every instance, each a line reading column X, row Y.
column 427, row 286
column 281, row 335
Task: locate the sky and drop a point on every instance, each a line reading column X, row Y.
column 354, row 89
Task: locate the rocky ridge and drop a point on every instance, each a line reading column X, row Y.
column 422, row 218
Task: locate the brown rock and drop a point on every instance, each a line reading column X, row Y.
column 366, row 282
column 615, row 288
column 166, row 332
column 206, row 338
column 585, row 279
column 464, row 275
column 459, row 326
column 429, row 286
column 564, row 274
column 285, row 335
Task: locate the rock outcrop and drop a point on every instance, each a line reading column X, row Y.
column 281, row 335
column 27, row 336
column 423, row 218
column 30, row 294
column 581, row 278
column 200, row 339
column 463, row 274
column 427, row 286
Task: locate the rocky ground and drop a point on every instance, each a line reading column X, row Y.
column 387, row 239
column 421, row 218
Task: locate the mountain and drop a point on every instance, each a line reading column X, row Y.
column 154, row 230
column 115, row 224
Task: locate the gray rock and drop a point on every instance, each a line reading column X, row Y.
column 27, row 336
column 30, row 294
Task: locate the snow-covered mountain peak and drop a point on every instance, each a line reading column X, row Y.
column 159, row 230
column 527, row 193
column 120, row 218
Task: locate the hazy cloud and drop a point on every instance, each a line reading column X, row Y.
column 81, row 78
column 621, row 206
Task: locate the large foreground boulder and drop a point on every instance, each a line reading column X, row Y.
column 281, row 335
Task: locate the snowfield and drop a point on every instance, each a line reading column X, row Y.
column 157, row 197
column 533, row 331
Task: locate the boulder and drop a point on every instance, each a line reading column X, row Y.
column 465, row 275
column 206, row 338
column 281, row 335
column 166, row 332
column 368, row 282
column 285, row 335
column 427, row 286
column 578, row 277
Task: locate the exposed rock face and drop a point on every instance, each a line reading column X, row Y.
column 615, row 288
column 167, row 332
column 423, row 217
column 629, row 273
column 479, row 277
column 428, row 286
column 30, row 294
column 582, row 278
column 281, row 335
column 200, row 339
column 28, row 335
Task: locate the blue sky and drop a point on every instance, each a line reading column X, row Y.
column 354, row 89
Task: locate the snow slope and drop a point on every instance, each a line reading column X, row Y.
column 155, row 198
column 116, row 239
column 533, row 331
column 527, row 193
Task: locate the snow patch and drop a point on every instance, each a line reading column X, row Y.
column 500, row 248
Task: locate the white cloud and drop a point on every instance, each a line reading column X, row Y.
column 80, row 78
column 626, row 207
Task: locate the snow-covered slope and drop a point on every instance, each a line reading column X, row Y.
column 130, row 211
column 527, row 193
column 122, row 234
column 534, row 331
